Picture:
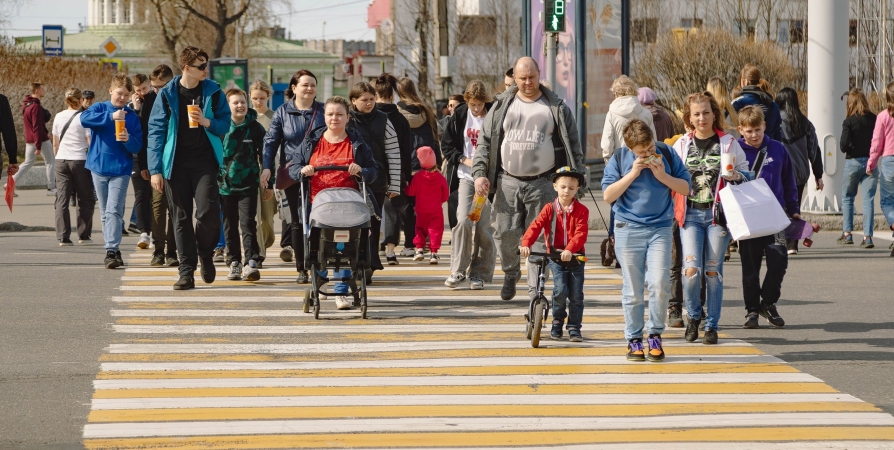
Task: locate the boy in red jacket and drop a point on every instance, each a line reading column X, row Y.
column 430, row 189
column 564, row 225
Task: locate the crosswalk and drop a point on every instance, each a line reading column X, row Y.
column 238, row 365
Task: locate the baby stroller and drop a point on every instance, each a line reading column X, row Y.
column 336, row 236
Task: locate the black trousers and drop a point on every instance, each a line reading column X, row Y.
column 375, row 230
column 73, row 178
column 199, row 185
column 452, row 206
column 239, row 211
column 142, row 192
column 293, row 194
column 162, row 238
column 405, row 207
column 792, row 244
column 285, row 237
column 752, row 252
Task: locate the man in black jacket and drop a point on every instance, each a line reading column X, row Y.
column 8, row 130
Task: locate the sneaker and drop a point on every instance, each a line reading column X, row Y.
column 710, row 337
column 692, row 329
column 408, row 251
column 772, row 316
column 259, row 264
column 286, row 254
column 303, row 277
column 218, row 255
column 392, row 260
column 656, row 352
column 251, row 272
column 508, row 291
column 434, row 259
column 846, row 239
column 133, row 228
column 51, row 192
column 454, row 280
column 111, row 260
column 124, row 232
column 144, row 241
column 635, row 350
column 65, row 242
column 574, row 335
column 342, row 302
column 86, row 241
column 476, row 285
column 157, row 260
column 792, row 252
column 751, row 321
column 419, row 255
column 172, row 261
column 555, row 333
column 235, row 271
column 675, row 316
column 184, row 283
column 207, row 270
column 867, row 242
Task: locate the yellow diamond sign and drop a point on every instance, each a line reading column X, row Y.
column 110, row 47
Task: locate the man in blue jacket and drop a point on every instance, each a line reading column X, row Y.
column 110, row 159
column 184, row 160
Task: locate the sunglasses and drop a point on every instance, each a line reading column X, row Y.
column 202, row 66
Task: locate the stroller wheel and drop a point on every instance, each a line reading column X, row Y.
column 538, row 324
column 306, row 301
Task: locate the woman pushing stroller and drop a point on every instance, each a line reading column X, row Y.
column 333, row 145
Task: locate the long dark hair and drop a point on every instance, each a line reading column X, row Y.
column 787, row 99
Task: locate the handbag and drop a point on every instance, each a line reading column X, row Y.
column 752, row 209
column 719, row 214
column 283, row 179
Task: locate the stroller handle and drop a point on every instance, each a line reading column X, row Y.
column 336, row 168
column 548, row 255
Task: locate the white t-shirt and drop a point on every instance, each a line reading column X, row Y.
column 73, row 145
column 527, row 148
column 470, row 139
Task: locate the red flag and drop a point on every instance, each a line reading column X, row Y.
column 10, row 188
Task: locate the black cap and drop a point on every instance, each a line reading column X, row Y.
column 566, row 171
column 88, row 94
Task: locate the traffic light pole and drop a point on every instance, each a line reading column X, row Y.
column 551, row 40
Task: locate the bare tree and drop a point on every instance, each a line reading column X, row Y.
column 488, row 46
column 423, row 29
column 172, row 25
column 8, row 10
column 218, row 17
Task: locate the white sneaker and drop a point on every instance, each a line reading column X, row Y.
column 51, row 192
column 342, row 302
column 434, row 259
column 144, row 241
column 85, row 241
column 251, row 272
column 476, row 284
column 286, row 254
column 235, row 271
column 408, row 251
column 419, row 255
column 219, row 255
column 454, row 280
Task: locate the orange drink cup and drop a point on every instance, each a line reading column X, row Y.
column 189, row 110
column 119, row 128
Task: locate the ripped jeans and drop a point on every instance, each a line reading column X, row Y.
column 704, row 247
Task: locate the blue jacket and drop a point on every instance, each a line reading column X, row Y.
column 165, row 120
column 287, row 130
column 778, row 172
column 647, row 201
column 752, row 95
column 107, row 156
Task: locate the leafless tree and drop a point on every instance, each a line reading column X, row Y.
column 216, row 13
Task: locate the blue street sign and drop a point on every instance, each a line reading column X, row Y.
column 53, row 36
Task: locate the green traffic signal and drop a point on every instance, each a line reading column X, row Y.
column 554, row 15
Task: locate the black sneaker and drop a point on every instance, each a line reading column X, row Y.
column 710, row 337
column 65, row 242
column 208, row 271
column 574, row 335
column 172, row 261
column 751, row 321
column 692, row 329
column 133, row 228
column 302, row 277
column 508, row 291
column 675, row 316
column 124, row 232
column 157, row 260
column 556, row 332
column 111, row 260
column 392, row 260
column 119, row 258
column 185, row 282
column 635, row 350
column 656, row 350
column 772, row 316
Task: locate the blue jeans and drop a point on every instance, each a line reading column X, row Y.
column 854, row 176
column 568, row 283
column 222, row 243
column 704, row 247
column 637, row 246
column 886, row 183
column 111, row 193
column 339, row 287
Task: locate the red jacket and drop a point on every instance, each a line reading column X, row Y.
column 430, row 190
column 34, row 119
column 576, row 222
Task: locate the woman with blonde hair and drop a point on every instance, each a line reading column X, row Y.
column 70, row 142
column 717, row 88
column 624, row 107
column 856, row 139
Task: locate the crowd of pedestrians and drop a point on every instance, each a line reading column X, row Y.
column 210, row 168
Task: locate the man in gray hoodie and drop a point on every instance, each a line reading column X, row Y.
column 527, row 134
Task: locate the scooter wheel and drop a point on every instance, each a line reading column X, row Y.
column 538, row 325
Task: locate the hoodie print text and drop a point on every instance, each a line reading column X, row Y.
column 527, row 147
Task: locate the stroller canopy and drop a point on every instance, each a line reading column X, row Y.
column 339, row 208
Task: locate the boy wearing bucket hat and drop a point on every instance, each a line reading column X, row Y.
column 430, row 189
column 564, row 225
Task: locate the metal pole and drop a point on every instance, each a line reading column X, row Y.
column 625, row 37
column 526, row 27
column 551, row 39
column 580, row 71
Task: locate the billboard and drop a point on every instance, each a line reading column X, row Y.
column 566, row 53
column 229, row 72
column 603, row 55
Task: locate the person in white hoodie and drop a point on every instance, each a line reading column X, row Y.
column 624, row 107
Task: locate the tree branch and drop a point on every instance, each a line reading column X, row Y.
column 198, row 14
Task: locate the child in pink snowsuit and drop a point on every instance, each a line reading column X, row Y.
column 430, row 189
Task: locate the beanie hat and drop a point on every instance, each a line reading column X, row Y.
column 646, row 96
column 426, row 157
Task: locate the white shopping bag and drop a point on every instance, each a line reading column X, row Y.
column 752, row 210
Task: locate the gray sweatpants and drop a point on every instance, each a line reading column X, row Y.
column 473, row 242
column 516, row 204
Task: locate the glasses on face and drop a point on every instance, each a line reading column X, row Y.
column 202, row 66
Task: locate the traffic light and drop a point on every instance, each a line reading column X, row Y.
column 554, row 15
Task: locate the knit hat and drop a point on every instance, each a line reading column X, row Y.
column 646, row 96
column 426, row 157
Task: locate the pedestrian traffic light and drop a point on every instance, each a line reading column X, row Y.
column 554, row 15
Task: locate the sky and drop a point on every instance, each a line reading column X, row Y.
column 345, row 19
